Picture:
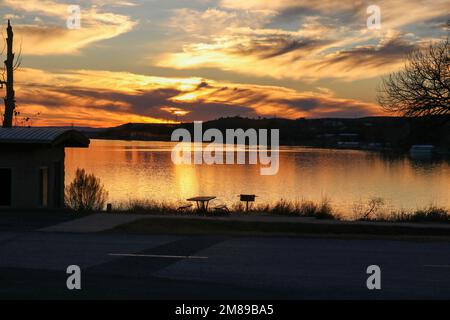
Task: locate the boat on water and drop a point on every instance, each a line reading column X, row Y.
column 422, row 150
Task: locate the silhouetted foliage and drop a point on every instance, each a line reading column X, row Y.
column 397, row 133
column 423, row 87
column 85, row 193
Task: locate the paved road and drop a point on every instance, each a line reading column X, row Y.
column 33, row 265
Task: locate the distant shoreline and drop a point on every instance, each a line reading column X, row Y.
column 394, row 135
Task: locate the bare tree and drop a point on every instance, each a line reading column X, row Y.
column 423, row 87
column 10, row 67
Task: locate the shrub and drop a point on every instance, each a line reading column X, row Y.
column 283, row 207
column 429, row 214
column 85, row 192
column 325, row 211
column 368, row 211
column 307, row 208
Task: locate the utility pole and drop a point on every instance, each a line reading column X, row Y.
column 10, row 102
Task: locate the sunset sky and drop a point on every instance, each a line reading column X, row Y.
column 167, row 60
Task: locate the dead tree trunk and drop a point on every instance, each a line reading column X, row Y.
column 10, row 102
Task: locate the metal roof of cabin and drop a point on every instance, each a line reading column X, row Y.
column 43, row 136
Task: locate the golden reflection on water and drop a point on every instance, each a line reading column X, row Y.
column 144, row 170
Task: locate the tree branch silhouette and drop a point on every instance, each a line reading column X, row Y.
column 422, row 88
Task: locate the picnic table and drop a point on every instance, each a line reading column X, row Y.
column 202, row 202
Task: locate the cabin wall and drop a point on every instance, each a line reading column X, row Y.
column 27, row 172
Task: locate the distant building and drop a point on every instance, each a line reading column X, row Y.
column 32, row 166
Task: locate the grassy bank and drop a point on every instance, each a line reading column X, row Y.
column 372, row 210
column 201, row 226
column 428, row 214
column 322, row 210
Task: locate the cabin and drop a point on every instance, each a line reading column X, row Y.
column 32, row 166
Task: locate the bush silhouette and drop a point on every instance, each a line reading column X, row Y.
column 85, row 192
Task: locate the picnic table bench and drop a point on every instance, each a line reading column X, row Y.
column 184, row 207
column 202, row 202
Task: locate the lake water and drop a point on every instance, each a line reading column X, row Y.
column 144, row 170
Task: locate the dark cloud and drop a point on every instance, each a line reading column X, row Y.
column 210, row 111
column 271, row 46
column 202, row 84
column 282, row 46
column 376, row 55
column 145, row 103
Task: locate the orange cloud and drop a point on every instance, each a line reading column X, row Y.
column 104, row 98
column 283, row 55
column 54, row 37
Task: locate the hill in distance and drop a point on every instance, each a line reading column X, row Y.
column 380, row 132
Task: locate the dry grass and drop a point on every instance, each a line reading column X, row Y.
column 429, row 214
column 145, row 206
column 373, row 210
column 322, row 210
